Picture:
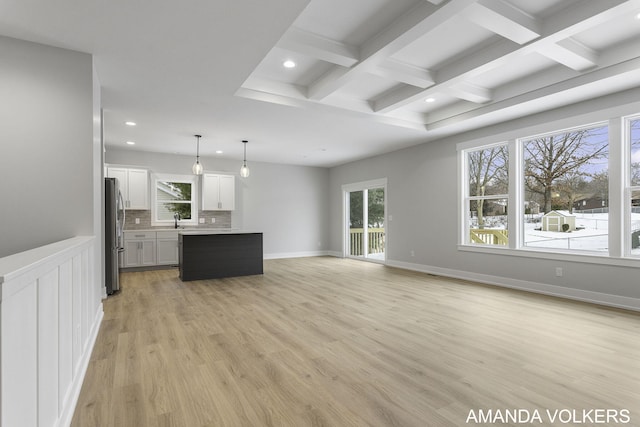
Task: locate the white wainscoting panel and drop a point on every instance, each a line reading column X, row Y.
column 50, row 312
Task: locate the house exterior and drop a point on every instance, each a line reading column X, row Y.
column 590, row 203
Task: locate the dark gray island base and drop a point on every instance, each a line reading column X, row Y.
column 216, row 255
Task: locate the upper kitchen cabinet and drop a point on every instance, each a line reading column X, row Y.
column 134, row 185
column 218, row 192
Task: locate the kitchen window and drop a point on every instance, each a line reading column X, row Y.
column 174, row 200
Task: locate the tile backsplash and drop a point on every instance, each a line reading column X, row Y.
column 222, row 218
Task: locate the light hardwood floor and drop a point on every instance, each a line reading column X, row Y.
column 336, row 342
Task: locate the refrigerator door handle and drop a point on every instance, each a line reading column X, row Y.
column 124, row 212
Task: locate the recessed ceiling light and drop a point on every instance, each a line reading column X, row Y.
column 130, row 123
column 638, row 16
column 430, row 100
column 219, row 151
column 288, row 64
column 131, row 143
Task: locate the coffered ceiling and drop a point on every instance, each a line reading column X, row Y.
column 371, row 76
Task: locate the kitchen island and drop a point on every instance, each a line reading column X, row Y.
column 217, row 254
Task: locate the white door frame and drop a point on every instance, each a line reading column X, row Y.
column 361, row 186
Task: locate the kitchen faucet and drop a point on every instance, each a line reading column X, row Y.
column 176, row 218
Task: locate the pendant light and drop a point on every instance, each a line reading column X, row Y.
column 244, row 170
column 197, row 166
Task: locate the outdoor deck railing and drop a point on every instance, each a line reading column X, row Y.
column 489, row 236
column 356, row 241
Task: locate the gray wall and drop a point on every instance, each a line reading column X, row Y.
column 289, row 204
column 422, row 198
column 46, row 145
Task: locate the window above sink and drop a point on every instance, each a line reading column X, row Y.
column 173, row 200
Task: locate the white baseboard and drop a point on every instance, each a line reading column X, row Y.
column 295, row 254
column 66, row 415
column 540, row 288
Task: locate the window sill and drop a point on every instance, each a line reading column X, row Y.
column 586, row 257
column 181, row 224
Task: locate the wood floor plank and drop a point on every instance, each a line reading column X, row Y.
column 335, row 342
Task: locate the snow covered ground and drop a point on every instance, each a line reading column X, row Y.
column 592, row 233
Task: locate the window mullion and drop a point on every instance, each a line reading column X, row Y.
column 515, row 214
column 618, row 171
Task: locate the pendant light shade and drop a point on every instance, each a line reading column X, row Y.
column 244, row 170
column 197, row 166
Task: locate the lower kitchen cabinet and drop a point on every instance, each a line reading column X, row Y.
column 139, row 249
column 167, row 248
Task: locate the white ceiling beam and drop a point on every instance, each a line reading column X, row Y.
column 418, row 21
column 549, row 77
column 570, row 53
column 504, row 19
column 353, row 108
column 274, row 87
column 470, row 92
column 620, row 74
column 396, row 96
column 454, row 74
column 560, row 26
column 404, row 73
column 271, row 98
column 310, row 44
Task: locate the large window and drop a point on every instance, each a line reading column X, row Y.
column 566, row 190
column 174, row 200
column 487, row 195
column 574, row 191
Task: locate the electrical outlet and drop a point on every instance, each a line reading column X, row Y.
column 213, row 220
column 413, row 253
column 137, row 220
column 559, row 272
column 201, row 220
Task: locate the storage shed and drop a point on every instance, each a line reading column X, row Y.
column 554, row 220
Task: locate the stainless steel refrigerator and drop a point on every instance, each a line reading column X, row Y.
column 113, row 236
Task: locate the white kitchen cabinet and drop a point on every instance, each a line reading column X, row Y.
column 139, row 249
column 218, row 192
column 134, row 185
column 167, row 248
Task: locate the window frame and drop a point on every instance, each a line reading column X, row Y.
column 187, row 179
column 469, row 198
column 629, row 188
column 521, row 184
column 619, row 192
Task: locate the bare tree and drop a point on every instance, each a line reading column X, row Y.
column 488, row 174
column 550, row 159
column 571, row 186
column 635, row 173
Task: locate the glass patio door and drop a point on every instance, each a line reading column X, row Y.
column 366, row 223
